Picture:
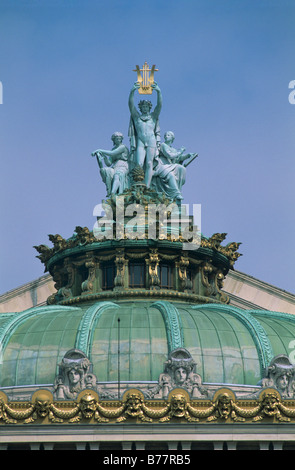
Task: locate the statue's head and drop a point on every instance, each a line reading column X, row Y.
column 145, row 106
column 282, row 380
column 74, row 374
column 181, row 374
column 279, row 373
column 169, row 136
column 117, row 136
column 180, row 366
column 73, row 368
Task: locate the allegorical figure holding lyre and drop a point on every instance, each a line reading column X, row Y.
column 144, row 131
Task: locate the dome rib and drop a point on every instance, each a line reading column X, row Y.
column 278, row 315
column 280, row 318
column 173, row 324
column 8, row 328
column 256, row 330
column 87, row 325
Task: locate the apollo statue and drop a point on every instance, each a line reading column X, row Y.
column 162, row 166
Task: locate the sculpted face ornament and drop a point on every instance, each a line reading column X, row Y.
column 179, row 371
column 270, row 404
column 133, row 405
column 74, row 376
column 224, row 406
column 271, row 407
column 178, row 406
column 42, row 400
column 280, row 375
column 180, row 375
column 88, row 405
column 283, row 382
column 42, row 407
column 73, row 369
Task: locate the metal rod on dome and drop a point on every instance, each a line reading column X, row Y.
column 119, row 393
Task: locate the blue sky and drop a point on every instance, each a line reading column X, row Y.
column 66, row 68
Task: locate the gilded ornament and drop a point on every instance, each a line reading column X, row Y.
column 223, row 408
column 137, row 174
column 145, row 78
column 133, row 407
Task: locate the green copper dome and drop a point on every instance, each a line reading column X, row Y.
column 229, row 345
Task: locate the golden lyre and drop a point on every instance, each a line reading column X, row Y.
column 145, row 78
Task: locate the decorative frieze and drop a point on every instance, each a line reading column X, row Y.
column 88, row 408
column 179, row 397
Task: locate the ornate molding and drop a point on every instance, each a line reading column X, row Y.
column 268, row 408
column 134, row 293
column 84, row 238
column 83, row 255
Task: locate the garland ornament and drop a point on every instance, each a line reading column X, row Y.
column 179, row 407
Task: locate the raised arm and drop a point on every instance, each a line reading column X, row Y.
column 132, row 107
column 158, row 106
